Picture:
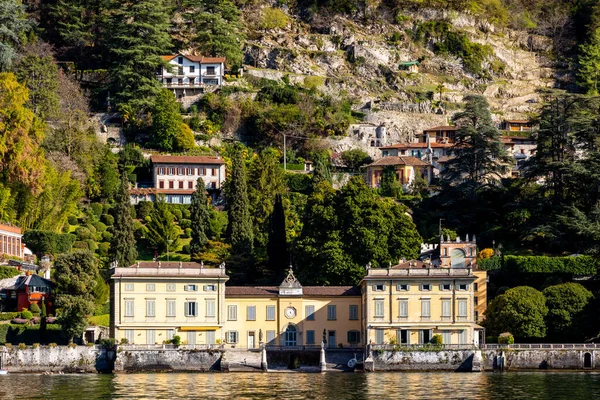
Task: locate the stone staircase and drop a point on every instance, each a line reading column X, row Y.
column 241, row 360
column 337, row 360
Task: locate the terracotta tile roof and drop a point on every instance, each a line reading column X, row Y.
column 187, row 159
column 399, row 160
column 306, row 290
column 442, row 128
column 444, row 159
column 212, row 60
column 518, row 121
column 416, row 145
column 10, row 228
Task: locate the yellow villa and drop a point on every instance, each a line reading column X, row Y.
column 404, row 304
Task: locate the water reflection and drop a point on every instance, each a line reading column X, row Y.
column 338, row 386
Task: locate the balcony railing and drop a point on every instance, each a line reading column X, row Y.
column 140, row 347
column 525, row 346
column 421, row 347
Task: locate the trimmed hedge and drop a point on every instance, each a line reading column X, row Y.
column 577, row 265
column 30, row 334
column 47, row 242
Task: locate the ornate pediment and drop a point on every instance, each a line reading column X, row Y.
column 290, row 285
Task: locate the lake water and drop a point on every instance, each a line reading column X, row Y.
column 338, row 386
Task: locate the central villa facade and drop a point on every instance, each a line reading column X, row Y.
column 404, row 304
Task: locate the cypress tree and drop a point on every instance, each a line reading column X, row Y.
column 277, row 246
column 162, row 232
column 122, row 245
column 239, row 227
column 200, row 217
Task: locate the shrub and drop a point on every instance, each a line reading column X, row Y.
column 506, row 338
column 103, row 249
column 144, row 209
column 52, row 345
column 34, row 308
column 107, row 236
column 188, row 232
column 83, row 233
column 124, row 341
column 108, row 343
column 81, row 245
column 313, row 82
column 72, row 220
column 7, row 316
column 273, row 18
column 25, row 314
column 485, row 254
column 22, row 346
column 96, row 209
column 36, row 345
column 436, row 339
column 176, row 340
column 92, row 245
column 185, row 223
column 8, row 272
column 108, row 219
column 72, row 345
column 99, row 226
column 46, row 242
column 301, row 183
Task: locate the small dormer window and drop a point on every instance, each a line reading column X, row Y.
column 179, row 60
column 378, row 288
column 426, row 287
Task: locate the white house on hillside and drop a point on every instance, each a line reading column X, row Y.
column 191, row 75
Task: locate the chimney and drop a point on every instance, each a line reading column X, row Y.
column 47, row 273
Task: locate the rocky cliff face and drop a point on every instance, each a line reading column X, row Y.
column 361, row 59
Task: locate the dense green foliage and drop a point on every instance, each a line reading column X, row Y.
column 122, row 249
column 30, row 334
column 566, row 304
column 169, row 132
column 8, row 272
column 199, row 218
column 239, row 228
column 579, row 265
column 162, row 233
column 44, row 242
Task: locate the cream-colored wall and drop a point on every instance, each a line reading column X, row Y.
column 341, row 325
column 391, row 297
column 160, row 322
column 481, row 294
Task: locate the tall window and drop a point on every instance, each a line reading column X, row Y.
column 192, row 69
column 171, row 307
column 190, row 185
column 402, row 336
column 129, row 335
column 150, row 336
column 270, row 313
column 251, row 313
column 129, row 307
column 271, row 337
column 462, row 337
column 353, row 337
column 425, row 308
column 191, row 337
column 210, row 308
column 150, row 308
column 378, row 308
column 179, row 60
column 353, row 312
column 446, row 337
column 210, row 337
column 210, row 70
column 310, row 313
column 403, row 308
column 446, row 308
column 214, row 172
column 310, row 337
column 191, row 309
column 171, row 287
column 290, row 335
column 232, row 337
column 180, row 184
column 232, row 313
column 379, row 336
column 331, row 313
column 161, row 184
column 462, row 308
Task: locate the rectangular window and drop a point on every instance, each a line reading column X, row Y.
column 170, row 287
column 331, row 313
column 402, row 336
column 150, row 336
column 129, row 287
column 150, row 308
column 210, row 70
column 251, row 313
column 210, row 308
column 445, row 287
column 310, row 313
column 171, row 171
column 201, row 171
column 180, row 60
column 353, row 337
column 463, row 287
column 161, row 171
column 161, row 184
column 190, row 288
column 403, row 287
column 476, row 316
column 189, row 171
column 150, row 287
column 379, row 336
column 209, row 288
column 129, row 335
column 232, row 337
column 271, row 337
column 191, row 309
column 191, row 337
column 171, row 185
column 179, row 171
column 180, row 184
column 214, row 172
column 353, row 313
column 446, row 337
column 190, row 185
column 378, row 288
column 475, row 287
column 171, row 307
column 270, row 313
column 210, row 337
column 129, row 308
column 446, row 308
column 170, row 334
column 403, row 308
column 425, row 309
column 310, row 337
column 379, row 308
column 462, row 308
column 232, row 313
column 426, row 287
column 475, row 300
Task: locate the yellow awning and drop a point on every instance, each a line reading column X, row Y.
column 199, row 328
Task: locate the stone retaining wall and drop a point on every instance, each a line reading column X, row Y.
column 456, row 360
column 541, row 359
column 168, row 360
column 55, row 359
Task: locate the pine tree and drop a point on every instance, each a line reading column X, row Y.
column 277, row 250
column 162, row 232
column 480, row 157
column 122, row 249
column 219, row 29
column 200, row 218
column 239, row 228
column 589, row 63
column 322, row 171
column 139, row 36
column 13, row 24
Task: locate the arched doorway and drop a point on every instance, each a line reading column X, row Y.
column 290, row 335
column 587, row 360
column 457, row 259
